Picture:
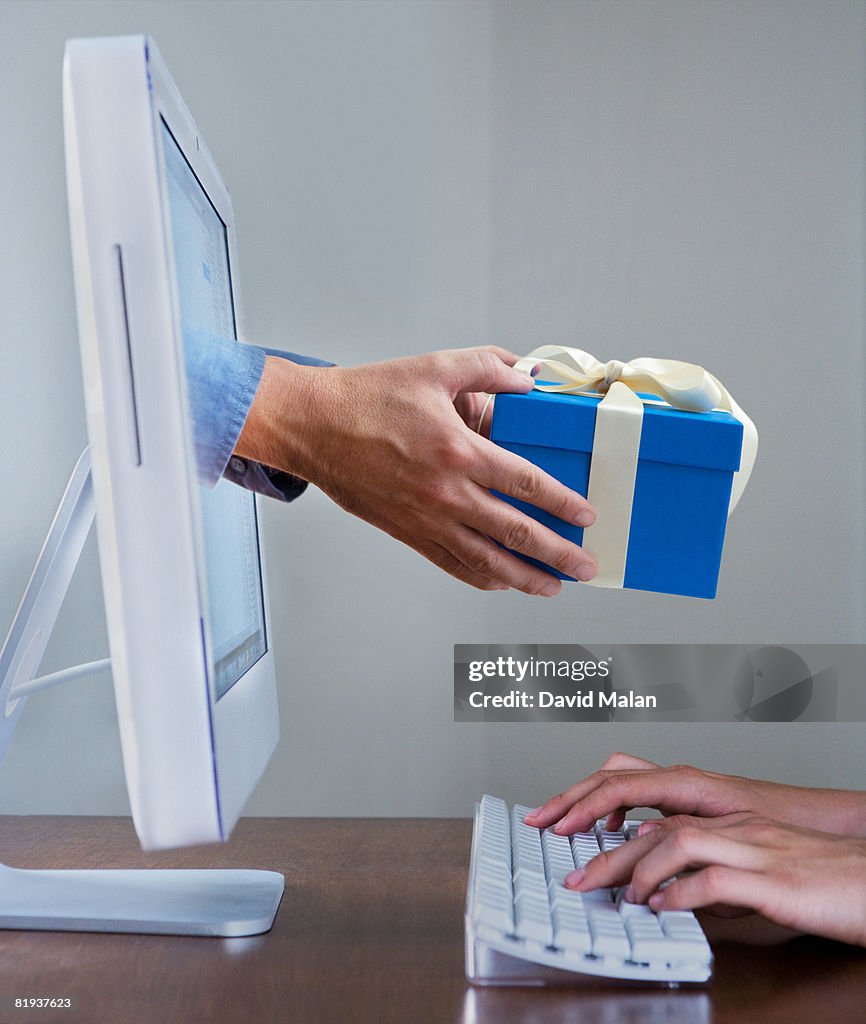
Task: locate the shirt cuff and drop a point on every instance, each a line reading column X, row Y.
column 223, row 376
column 222, row 379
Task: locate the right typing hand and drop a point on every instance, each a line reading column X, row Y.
column 799, row 878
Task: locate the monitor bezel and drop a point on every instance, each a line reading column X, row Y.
column 189, row 771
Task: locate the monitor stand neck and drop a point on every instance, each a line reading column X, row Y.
column 170, row 902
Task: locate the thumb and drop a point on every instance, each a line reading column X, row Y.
column 479, row 369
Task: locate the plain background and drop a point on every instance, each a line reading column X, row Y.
column 679, row 179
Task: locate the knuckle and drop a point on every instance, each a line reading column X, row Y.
column 518, row 533
column 527, row 484
column 488, row 362
column 677, row 822
column 535, row 586
column 683, row 840
column 488, row 563
column 439, row 495
column 450, row 564
column 455, row 452
column 613, row 783
column 714, row 879
column 604, row 860
column 441, row 361
column 640, row 879
column 757, row 828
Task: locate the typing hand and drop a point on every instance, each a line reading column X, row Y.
column 806, row 880
column 625, row 782
column 388, row 443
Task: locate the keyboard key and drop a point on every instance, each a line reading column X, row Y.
column 532, row 920
column 495, row 914
column 629, row 910
column 609, row 937
column 604, row 897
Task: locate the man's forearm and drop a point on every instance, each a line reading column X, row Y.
column 282, row 418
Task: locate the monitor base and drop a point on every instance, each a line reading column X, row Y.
column 216, row 902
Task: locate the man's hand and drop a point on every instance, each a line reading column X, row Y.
column 388, row 443
column 625, row 782
column 806, row 880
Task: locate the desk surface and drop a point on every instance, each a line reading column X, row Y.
column 354, row 942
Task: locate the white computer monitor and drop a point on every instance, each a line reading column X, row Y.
column 183, row 572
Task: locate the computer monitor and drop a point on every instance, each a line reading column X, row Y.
column 154, row 256
column 182, row 564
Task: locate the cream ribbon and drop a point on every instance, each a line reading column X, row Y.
column 619, row 422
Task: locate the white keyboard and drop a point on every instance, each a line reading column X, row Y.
column 524, row 927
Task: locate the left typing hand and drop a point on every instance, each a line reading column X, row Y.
column 806, row 880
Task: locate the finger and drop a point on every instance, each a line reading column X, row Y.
column 665, row 789
column 480, row 369
column 488, row 559
column 501, row 353
column 716, row 884
column 691, row 848
column 503, row 471
column 614, row 867
column 618, row 761
column 675, row 821
column 558, row 806
column 438, row 555
column 554, row 808
column 614, row 821
column 520, row 533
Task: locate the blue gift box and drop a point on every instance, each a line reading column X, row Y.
column 682, row 490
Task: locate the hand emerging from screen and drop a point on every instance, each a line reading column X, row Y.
column 395, row 444
column 625, row 782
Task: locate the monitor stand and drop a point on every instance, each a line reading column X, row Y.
column 149, row 900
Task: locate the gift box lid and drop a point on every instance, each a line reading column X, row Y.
column 545, row 419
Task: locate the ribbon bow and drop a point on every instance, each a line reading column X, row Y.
column 618, row 429
column 682, row 385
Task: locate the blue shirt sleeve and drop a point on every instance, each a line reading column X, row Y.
column 223, row 376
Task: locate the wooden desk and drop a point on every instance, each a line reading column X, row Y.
column 355, row 941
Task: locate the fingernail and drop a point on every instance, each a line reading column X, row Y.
column 558, row 825
column 534, row 814
column 575, row 878
column 629, row 894
column 586, row 517
column 657, row 900
column 536, row 370
column 647, row 826
column 586, row 571
column 550, row 589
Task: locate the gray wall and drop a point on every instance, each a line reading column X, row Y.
column 677, row 178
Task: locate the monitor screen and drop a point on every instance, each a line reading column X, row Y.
column 233, row 570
